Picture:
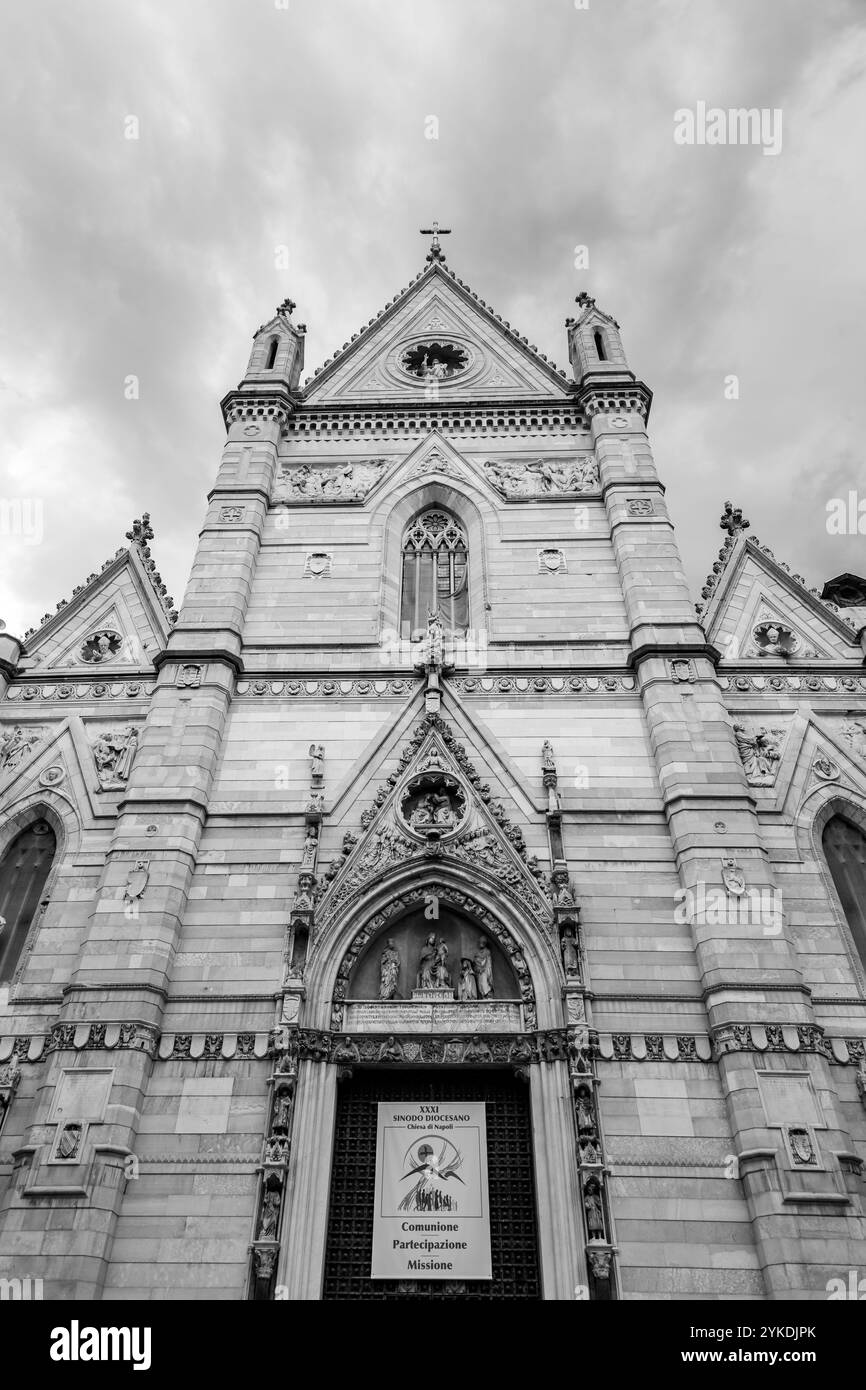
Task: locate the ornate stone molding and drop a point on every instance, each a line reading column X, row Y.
column 239, row 407
column 396, row 426
column 500, row 853
column 431, row 1049
column 82, row 1037
column 779, row 1037
column 807, row 684
column 81, row 690
column 366, row 687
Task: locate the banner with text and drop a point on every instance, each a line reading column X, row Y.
column 431, row 1219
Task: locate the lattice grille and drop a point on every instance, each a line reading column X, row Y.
column 513, row 1235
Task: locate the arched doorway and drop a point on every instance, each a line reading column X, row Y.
column 24, row 871
column 510, row 1183
column 845, row 851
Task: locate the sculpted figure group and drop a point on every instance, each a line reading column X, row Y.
column 476, row 972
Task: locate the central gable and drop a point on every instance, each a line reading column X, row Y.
column 436, row 342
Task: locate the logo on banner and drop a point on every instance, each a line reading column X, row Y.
column 435, row 1161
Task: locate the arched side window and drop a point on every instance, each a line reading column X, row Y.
column 23, row 871
column 845, row 851
column 435, row 575
column 272, row 353
column 599, row 345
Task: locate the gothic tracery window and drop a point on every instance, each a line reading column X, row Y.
column 435, row 574
column 24, row 869
column 845, row 849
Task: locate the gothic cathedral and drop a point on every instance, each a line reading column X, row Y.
column 438, row 905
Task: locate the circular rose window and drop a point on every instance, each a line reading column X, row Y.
column 434, row 361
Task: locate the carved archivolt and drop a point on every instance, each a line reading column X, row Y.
column 446, row 892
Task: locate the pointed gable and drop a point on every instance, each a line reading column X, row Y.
column 117, row 620
column 750, row 589
column 479, row 835
column 436, row 325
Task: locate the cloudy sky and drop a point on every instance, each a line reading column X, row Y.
column 302, row 124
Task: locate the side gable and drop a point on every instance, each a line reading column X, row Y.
column 750, row 587
column 125, row 604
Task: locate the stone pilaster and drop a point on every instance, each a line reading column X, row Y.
column 747, row 962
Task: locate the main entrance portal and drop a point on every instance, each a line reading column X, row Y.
column 511, row 1184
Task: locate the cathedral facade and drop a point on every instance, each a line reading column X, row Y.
column 437, row 801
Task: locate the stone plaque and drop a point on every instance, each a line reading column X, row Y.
column 82, row 1095
column 788, row 1097
column 399, row 1016
column 204, row 1106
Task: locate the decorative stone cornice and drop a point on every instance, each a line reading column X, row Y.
column 477, row 419
column 532, row 683
column 614, row 398
column 81, row 690
column 247, row 405
column 321, row 1045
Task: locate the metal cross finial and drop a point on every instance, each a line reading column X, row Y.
column 435, row 253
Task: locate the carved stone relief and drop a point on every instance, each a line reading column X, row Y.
column 536, row 477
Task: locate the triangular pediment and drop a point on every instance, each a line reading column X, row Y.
column 384, row 361
column 435, row 806
column 755, row 590
column 119, row 601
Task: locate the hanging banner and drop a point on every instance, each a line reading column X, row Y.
column 431, row 1218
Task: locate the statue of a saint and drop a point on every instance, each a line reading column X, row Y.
column 442, row 974
column 594, row 1213
column 570, row 957
column 561, row 889
column 270, row 1215
column 317, row 761
column 467, row 988
column 389, row 971
column 435, row 640
column 484, row 969
column 426, row 977
column 548, row 762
